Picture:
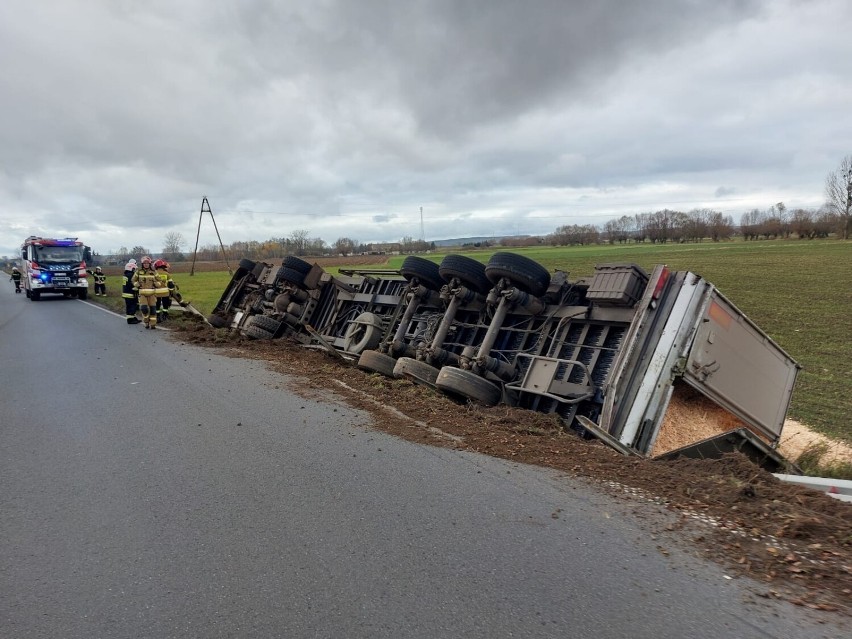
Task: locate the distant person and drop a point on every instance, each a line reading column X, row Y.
column 145, row 283
column 16, row 278
column 100, row 280
column 131, row 298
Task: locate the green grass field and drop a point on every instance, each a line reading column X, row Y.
column 798, row 292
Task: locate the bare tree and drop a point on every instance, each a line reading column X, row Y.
column 172, row 244
column 838, row 195
column 345, row 245
column 298, row 241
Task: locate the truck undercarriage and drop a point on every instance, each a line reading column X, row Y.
column 607, row 353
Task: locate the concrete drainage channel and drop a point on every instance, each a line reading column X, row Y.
column 612, row 353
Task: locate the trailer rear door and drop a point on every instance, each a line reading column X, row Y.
column 739, row 367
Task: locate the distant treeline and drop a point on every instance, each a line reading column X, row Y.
column 661, row 227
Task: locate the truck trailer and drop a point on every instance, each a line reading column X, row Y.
column 609, row 353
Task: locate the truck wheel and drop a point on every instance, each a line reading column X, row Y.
column 291, row 275
column 35, row 295
column 528, row 275
column 376, row 362
column 217, row 321
column 255, row 332
column 415, row 370
column 293, row 262
column 266, row 323
column 363, row 333
column 468, row 385
column 469, row 272
column 83, row 293
column 27, row 291
column 425, row 271
column 247, row 265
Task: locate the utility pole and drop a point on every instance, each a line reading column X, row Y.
column 205, row 208
column 422, row 229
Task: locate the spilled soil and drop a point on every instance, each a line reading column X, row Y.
column 795, row 541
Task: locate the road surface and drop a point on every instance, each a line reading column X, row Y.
column 153, row 489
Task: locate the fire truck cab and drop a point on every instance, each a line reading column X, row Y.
column 51, row 265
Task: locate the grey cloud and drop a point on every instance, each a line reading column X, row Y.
column 116, row 118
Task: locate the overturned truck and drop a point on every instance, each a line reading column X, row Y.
column 613, row 354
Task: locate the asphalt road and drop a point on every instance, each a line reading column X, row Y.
column 153, row 489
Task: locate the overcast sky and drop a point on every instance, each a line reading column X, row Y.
column 345, row 117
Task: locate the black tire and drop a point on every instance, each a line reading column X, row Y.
column 291, row 275
column 217, row 321
column 35, row 296
column 468, row 385
column 528, row 275
column 266, row 323
column 83, row 293
column 468, row 271
column 376, row 362
column 255, row 332
column 423, row 270
column 293, row 262
column 29, row 295
column 363, row 334
column 247, row 265
column 415, row 370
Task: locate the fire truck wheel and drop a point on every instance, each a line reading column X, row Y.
column 35, row 295
column 376, row 362
column 415, row 370
column 363, row 333
column 469, row 272
column 468, row 385
column 528, row 275
column 83, row 293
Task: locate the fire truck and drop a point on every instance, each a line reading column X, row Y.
column 53, row 265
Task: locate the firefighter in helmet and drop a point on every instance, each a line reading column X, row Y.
column 130, row 295
column 100, row 280
column 164, row 286
column 145, row 282
column 16, row 278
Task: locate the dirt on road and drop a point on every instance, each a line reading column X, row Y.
column 796, row 541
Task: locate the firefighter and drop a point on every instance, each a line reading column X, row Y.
column 165, row 303
column 100, row 280
column 145, row 282
column 131, row 298
column 164, row 289
column 16, row 278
